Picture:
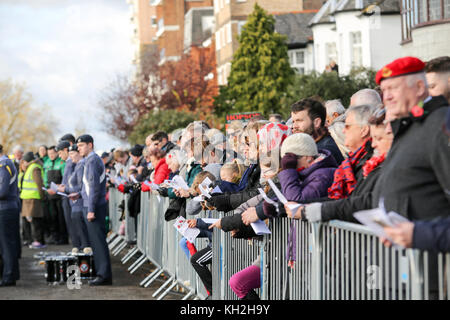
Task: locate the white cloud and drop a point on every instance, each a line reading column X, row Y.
column 66, row 51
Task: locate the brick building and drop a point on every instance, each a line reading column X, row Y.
column 231, row 15
column 143, row 19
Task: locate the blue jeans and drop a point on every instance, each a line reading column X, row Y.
column 184, row 247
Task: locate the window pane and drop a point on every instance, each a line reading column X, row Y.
column 299, row 57
column 300, row 70
column 291, row 57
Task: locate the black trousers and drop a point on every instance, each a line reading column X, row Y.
column 33, row 231
column 9, row 236
column 58, row 223
column 97, row 237
column 199, row 262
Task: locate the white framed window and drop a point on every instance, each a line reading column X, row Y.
column 208, row 23
column 330, row 52
column 219, row 75
column 356, row 48
column 222, row 37
column 154, row 21
column 228, row 32
column 240, row 25
column 228, row 71
column 297, row 60
column 217, row 36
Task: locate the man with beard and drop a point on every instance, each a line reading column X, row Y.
column 309, row 116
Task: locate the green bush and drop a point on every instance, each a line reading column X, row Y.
column 329, row 86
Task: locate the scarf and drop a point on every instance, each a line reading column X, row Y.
column 344, row 177
column 371, row 164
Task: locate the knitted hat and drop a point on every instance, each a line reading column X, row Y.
column 300, row 144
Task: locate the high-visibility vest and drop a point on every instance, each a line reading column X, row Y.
column 29, row 186
column 19, row 183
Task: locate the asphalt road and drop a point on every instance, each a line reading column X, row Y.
column 33, row 286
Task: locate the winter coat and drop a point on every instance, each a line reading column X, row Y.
column 194, row 169
column 415, row 178
column 205, row 232
column 234, row 222
column 229, row 201
column 432, row 235
column 329, row 144
column 343, row 209
column 33, row 207
column 75, row 184
column 161, row 172
column 54, row 172
column 310, row 183
column 177, row 206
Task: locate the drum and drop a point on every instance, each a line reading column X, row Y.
column 50, row 269
column 56, row 268
column 86, row 264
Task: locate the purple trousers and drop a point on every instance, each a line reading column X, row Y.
column 245, row 280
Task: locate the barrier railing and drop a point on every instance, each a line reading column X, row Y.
column 334, row 260
column 230, row 256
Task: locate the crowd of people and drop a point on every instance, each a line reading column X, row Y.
column 60, row 193
column 390, row 146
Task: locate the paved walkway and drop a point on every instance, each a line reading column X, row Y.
column 32, row 284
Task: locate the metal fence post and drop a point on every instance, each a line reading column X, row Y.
column 316, row 265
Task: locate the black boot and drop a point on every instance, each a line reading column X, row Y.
column 251, row 295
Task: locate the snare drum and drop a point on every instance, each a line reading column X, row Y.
column 86, row 265
column 50, row 269
column 56, row 268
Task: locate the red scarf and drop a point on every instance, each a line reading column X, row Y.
column 344, row 177
column 371, row 164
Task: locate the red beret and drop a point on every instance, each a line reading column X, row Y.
column 400, row 67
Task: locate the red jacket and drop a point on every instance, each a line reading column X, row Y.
column 161, row 172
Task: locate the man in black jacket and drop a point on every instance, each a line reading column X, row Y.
column 161, row 141
column 309, row 116
column 415, row 178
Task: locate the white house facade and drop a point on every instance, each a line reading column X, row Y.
column 346, row 32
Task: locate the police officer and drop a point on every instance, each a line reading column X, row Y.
column 93, row 193
column 9, row 222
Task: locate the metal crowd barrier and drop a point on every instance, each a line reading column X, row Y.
column 230, row 256
column 334, row 260
column 345, row 261
column 114, row 239
column 157, row 241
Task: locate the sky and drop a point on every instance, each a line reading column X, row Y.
column 66, row 52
